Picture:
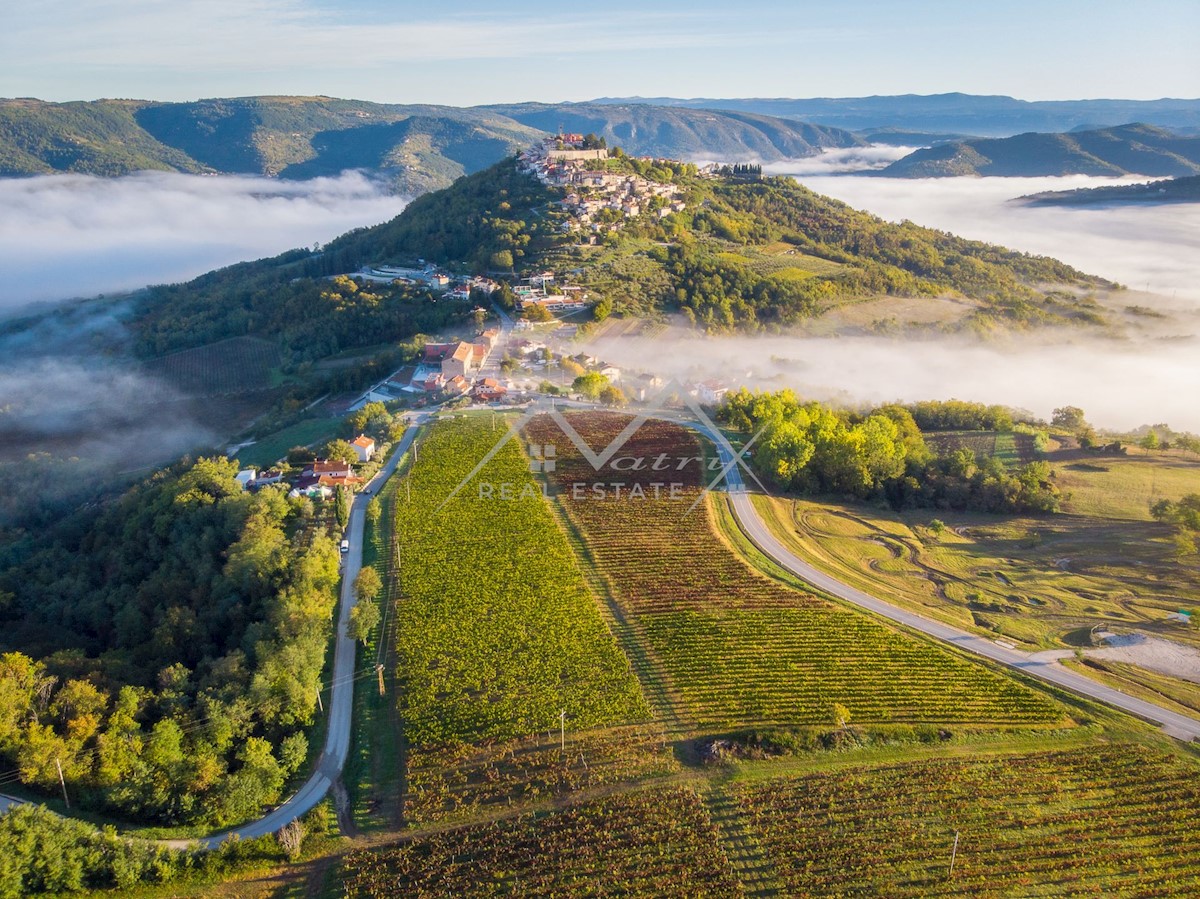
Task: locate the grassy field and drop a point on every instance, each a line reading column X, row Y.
column 650, row 843
column 311, row 432
column 1110, row 820
column 1032, row 580
column 734, row 648
column 1124, row 487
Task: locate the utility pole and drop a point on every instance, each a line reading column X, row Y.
column 953, row 853
column 320, row 705
column 62, row 780
column 379, row 673
column 562, row 731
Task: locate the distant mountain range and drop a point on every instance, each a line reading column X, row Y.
column 418, row 148
column 681, row 133
column 1129, row 149
column 1174, row 190
column 986, row 116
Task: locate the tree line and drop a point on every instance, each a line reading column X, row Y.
column 812, row 448
column 166, row 650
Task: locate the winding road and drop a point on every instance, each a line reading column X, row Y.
column 1046, row 669
column 341, row 699
column 341, row 702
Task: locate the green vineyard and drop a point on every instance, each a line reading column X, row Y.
column 1110, row 820
column 649, row 843
column 495, row 629
column 737, row 648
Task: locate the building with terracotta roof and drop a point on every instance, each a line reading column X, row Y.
column 364, row 446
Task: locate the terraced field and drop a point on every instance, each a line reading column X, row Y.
column 1109, row 820
column 649, row 843
column 733, row 647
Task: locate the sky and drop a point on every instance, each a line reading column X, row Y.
column 465, row 52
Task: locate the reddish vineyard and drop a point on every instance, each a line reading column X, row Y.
column 652, row 843
column 1106, row 821
column 737, row 648
column 236, row 365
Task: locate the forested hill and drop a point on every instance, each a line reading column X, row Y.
column 1128, row 149
column 1172, row 190
column 681, row 133
column 740, row 256
column 417, row 148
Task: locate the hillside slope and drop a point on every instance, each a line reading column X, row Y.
column 685, row 133
column 987, row 115
column 1172, row 190
column 1128, row 149
column 416, row 148
column 763, row 255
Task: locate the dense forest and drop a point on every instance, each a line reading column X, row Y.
column 166, row 649
column 816, row 449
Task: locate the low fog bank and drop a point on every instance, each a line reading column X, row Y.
column 65, row 236
column 1144, row 247
column 832, row 162
column 115, row 417
column 1119, row 386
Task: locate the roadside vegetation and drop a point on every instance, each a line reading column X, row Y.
column 166, row 649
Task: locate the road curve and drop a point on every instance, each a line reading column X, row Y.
column 1180, row 726
column 341, row 699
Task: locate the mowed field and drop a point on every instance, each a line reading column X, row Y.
column 728, row 647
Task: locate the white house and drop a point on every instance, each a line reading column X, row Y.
column 364, row 446
column 245, row 476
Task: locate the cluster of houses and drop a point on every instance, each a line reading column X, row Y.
column 317, row 479
column 454, row 287
column 455, row 369
column 562, row 161
column 540, row 290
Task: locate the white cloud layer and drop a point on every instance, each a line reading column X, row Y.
column 1143, row 247
column 1119, row 386
column 75, row 235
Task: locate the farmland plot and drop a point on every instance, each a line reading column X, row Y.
column 649, row 843
column 496, row 632
column 1111, row 820
column 737, row 648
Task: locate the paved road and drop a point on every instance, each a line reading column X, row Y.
column 1036, row 665
column 341, row 700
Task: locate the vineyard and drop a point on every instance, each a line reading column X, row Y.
column 495, row 629
column 1109, row 820
column 236, row 365
column 455, row 782
column 649, row 843
column 737, row 648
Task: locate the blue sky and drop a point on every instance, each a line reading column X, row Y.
column 465, row 52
